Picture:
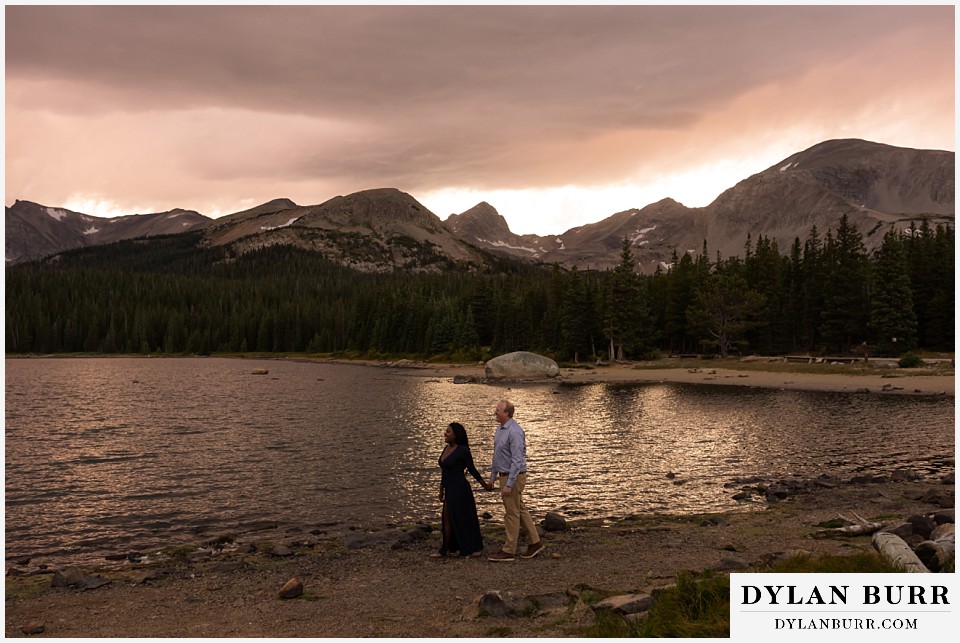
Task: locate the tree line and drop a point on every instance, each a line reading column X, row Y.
column 173, row 295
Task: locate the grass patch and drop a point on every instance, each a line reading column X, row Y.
column 698, row 606
column 862, row 563
column 589, row 595
column 179, row 552
column 694, row 608
column 610, row 625
column 25, row 587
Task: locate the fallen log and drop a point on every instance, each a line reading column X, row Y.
column 896, row 551
column 858, row 527
column 940, row 550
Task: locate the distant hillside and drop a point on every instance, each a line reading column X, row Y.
column 373, row 230
column 34, row 231
column 874, row 185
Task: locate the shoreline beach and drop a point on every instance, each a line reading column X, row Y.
column 888, row 381
column 849, row 378
column 374, row 589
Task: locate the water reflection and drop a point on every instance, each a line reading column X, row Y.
column 107, row 454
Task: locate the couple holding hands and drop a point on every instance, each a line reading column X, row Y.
column 460, row 525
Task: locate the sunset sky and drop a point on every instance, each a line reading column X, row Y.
column 555, row 115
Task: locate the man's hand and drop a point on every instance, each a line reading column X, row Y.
column 505, row 491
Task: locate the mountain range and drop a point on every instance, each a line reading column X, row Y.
column 35, row 231
column 873, row 184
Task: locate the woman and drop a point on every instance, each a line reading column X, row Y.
column 460, row 526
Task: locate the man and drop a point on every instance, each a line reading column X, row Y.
column 510, row 468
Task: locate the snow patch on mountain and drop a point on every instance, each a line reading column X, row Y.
column 504, row 244
column 91, row 230
column 640, row 234
column 57, row 214
column 277, row 227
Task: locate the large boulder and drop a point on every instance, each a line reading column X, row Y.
column 520, row 365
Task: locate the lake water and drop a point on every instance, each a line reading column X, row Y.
column 119, row 454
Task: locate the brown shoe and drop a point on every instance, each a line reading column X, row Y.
column 533, row 550
column 501, row 556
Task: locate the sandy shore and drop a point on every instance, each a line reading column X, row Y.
column 892, row 381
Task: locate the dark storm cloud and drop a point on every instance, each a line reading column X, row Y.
column 426, row 96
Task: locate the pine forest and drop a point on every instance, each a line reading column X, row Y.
column 172, row 295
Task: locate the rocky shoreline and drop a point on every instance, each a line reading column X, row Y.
column 353, row 581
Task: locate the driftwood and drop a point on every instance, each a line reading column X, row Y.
column 939, row 551
column 859, row 527
column 896, row 551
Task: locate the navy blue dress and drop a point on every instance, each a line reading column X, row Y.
column 461, row 527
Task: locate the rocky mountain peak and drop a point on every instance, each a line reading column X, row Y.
column 379, row 209
column 482, row 221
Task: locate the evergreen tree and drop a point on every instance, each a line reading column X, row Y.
column 793, row 292
column 627, row 316
column 725, row 308
column 576, row 318
column 680, row 291
column 846, row 286
column 892, row 322
column 940, row 311
column 812, row 291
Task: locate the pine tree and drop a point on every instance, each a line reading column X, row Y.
column 725, row 309
column 939, row 331
column 812, row 275
column 624, row 308
column 892, row 320
column 680, row 290
column 576, row 317
column 846, row 285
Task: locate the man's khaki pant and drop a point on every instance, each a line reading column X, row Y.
column 516, row 514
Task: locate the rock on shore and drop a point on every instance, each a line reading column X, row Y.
column 521, row 365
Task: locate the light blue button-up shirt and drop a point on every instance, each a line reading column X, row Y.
column 509, row 452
